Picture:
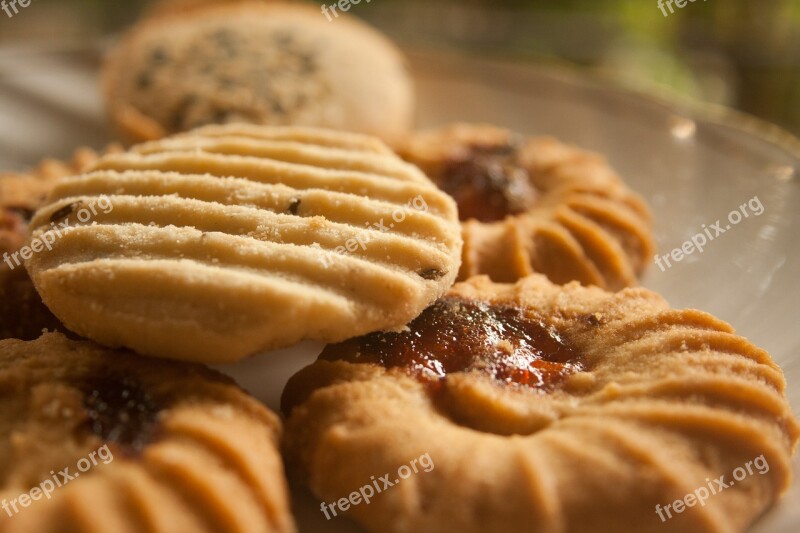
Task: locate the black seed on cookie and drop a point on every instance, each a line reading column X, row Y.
column 64, row 212
column 283, row 39
column 278, row 108
column 220, row 116
column 294, row 206
column 431, row 274
column 179, row 115
column 144, row 80
column 224, row 37
column 307, row 64
column 159, row 57
column 227, row 83
column 120, row 411
column 593, row 319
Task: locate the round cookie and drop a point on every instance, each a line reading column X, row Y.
column 22, row 313
column 106, row 441
column 536, row 205
column 536, row 407
column 256, row 62
column 214, row 245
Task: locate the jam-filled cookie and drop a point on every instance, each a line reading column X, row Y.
column 544, row 408
column 536, row 205
column 214, row 245
column 98, row 441
column 257, row 62
column 22, row 313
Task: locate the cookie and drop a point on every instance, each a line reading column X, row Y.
column 256, row 62
column 233, row 239
column 536, row 205
column 96, row 440
column 22, row 313
column 536, row 407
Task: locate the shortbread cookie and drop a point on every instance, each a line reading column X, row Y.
column 22, row 313
column 214, row 245
column 545, row 408
column 256, row 62
column 99, row 441
column 536, row 205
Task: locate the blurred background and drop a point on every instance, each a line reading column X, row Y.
column 739, row 53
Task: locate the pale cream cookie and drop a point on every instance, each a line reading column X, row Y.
column 214, row 245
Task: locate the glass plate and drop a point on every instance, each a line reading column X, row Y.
column 700, row 168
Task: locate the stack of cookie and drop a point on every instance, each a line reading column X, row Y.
column 480, row 373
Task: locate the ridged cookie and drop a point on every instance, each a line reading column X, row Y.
column 22, row 313
column 100, row 441
column 214, row 245
column 536, row 205
column 260, row 63
column 545, row 409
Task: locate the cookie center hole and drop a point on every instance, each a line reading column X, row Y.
column 120, row 411
column 457, row 335
column 488, row 182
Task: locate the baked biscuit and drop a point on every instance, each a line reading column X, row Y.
column 22, row 313
column 256, row 62
column 93, row 440
column 214, row 245
column 545, row 408
column 536, row 205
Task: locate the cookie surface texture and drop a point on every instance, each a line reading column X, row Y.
column 257, row 62
column 214, row 245
column 536, row 407
column 95, row 441
column 536, row 205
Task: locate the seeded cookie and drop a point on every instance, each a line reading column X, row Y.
column 536, row 205
column 213, row 245
column 98, row 441
column 256, row 62
column 542, row 408
column 22, row 313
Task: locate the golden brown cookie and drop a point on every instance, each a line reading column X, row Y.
column 214, row 245
column 256, row 62
column 21, row 193
column 536, row 407
column 97, row 441
column 22, row 313
column 536, row 205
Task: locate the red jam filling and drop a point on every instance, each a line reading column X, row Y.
column 488, row 183
column 120, row 411
column 456, row 335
